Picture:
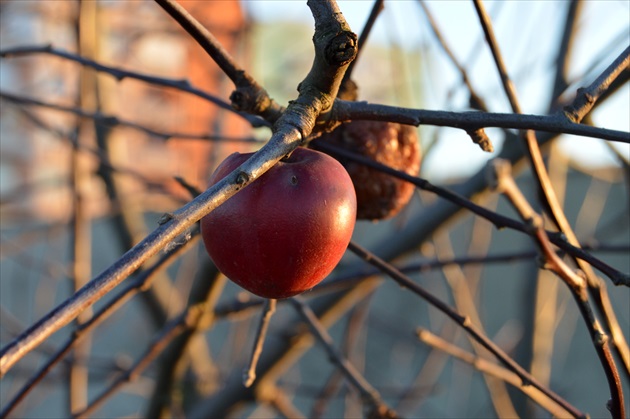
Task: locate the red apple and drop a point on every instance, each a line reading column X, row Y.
column 285, row 232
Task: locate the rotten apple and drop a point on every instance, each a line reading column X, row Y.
column 379, row 195
column 286, row 231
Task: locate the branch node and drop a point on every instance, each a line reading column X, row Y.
column 600, row 338
column 479, row 137
column 341, row 49
column 242, row 178
column 466, row 321
column 165, row 218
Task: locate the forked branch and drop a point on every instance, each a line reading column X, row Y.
column 290, row 130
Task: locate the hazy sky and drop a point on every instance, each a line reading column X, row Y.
column 528, row 34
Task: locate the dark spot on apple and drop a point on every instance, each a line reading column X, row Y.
column 294, row 180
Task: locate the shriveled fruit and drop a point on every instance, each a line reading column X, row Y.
column 379, row 195
column 285, row 232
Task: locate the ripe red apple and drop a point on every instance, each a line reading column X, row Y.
column 285, row 232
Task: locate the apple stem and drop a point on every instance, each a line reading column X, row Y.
column 249, row 374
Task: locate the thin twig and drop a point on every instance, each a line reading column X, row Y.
column 463, row 321
column 498, row 220
column 278, row 358
column 175, row 327
column 120, row 74
column 140, row 283
column 205, row 293
column 249, row 375
column 377, row 8
column 463, row 290
column 505, row 184
column 249, row 96
column 368, row 393
column 611, row 77
column 81, row 238
column 104, row 160
column 565, row 49
column 494, row 370
column 111, row 121
column 475, row 100
column 588, row 96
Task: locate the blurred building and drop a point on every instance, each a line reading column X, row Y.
column 134, row 36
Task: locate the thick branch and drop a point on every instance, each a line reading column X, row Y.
column 140, row 283
column 285, row 140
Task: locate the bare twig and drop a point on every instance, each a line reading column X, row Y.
column 498, row 220
column 494, row 370
column 119, row 74
column 278, row 358
column 249, row 96
column 206, row 292
column 565, row 49
column 377, row 8
column 588, row 96
column 615, row 74
column 464, row 290
column 368, row 394
column 249, row 375
column 463, row 321
column 81, row 242
column 111, row 121
column 140, row 283
column 505, row 184
column 475, row 100
column 170, row 331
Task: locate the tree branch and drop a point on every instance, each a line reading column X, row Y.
column 493, row 369
column 588, row 96
column 111, row 121
column 554, row 123
column 119, row 74
column 368, row 394
column 505, row 184
column 249, row 96
column 499, row 221
column 463, row 321
column 139, row 283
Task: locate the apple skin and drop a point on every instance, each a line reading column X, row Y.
column 286, row 231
